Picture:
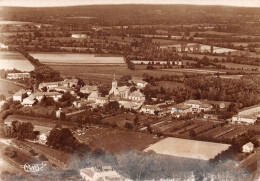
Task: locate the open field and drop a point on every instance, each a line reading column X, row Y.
column 218, row 33
column 105, row 74
column 7, row 88
column 199, row 71
column 14, row 60
column 40, row 124
column 120, row 119
column 168, row 85
column 67, row 58
column 116, row 141
column 188, row 148
column 240, row 66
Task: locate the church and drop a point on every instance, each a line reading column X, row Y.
column 122, row 92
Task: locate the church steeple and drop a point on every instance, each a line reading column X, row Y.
column 114, row 76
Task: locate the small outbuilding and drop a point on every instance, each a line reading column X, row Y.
column 247, row 148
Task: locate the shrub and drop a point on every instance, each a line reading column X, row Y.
column 10, row 152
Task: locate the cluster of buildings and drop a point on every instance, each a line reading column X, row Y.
column 122, row 94
column 190, row 106
column 134, row 99
column 53, row 89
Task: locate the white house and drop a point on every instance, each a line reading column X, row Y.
column 29, row 101
column 18, row 76
column 102, row 100
column 49, row 85
column 3, row 46
column 150, row 109
column 247, row 148
column 93, row 96
column 248, row 119
column 18, row 96
column 70, row 82
column 198, row 106
column 136, row 96
column 139, row 83
column 181, row 109
column 247, row 115
column 79, row 36
column 43, row 138
column 54, row 95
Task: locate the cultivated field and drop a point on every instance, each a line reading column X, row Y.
column 14, row 60
column 105, row 74
column 116, row 141
column 8, row 88
column 70, row 58
column 188, row 148
column 240, row 66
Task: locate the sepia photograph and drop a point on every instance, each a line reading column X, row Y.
column 130, row 90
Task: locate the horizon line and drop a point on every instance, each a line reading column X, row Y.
column 116, row 4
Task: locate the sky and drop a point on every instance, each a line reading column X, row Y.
column 49, row 3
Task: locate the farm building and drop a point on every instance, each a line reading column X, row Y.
column 139, row 83
column 54, row 95
column 49, row 85
column 102, row 100
column 3, row 46
column 70, row 82
column 79, row 36
column 29, row 101
column 18, row 96
column 136, row 96
column 93, row 96
column 247, row 148
column 249, row 119
column 198, row 106
column 150, row 109
column 247, row 115
column 188, row 148
column 181, row 109
column 66, row 83
column 18, row 76
column 87, row 89
column 220, row 104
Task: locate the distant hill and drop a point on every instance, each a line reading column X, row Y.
column 134, row 14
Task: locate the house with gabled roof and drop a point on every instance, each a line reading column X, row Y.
column 137, row 96
column 29, row 101
column 247, row 148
